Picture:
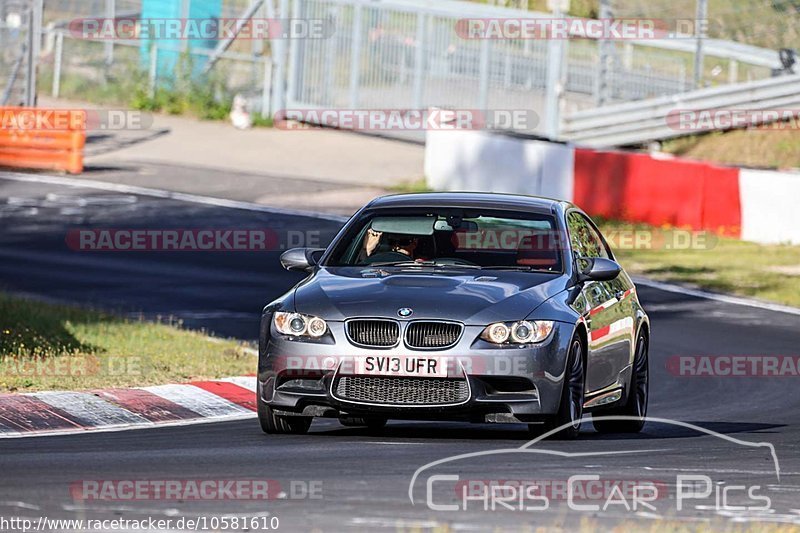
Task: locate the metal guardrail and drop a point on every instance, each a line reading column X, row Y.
column 407, row 54
column 649, row 120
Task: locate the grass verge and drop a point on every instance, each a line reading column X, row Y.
column 55, row 347
column 765, row 272
column 418, row 185
column 762, row 148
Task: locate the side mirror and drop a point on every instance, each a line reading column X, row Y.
column 301, row 259
column 598, row 269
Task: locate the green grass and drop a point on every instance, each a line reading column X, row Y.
column 763, row 148
column 48, row 347
column 262, row 122
column 765, row 272
column 127, row 84
column 419, row 185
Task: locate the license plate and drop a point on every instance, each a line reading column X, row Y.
column 402, row 365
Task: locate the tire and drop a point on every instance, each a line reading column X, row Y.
column 570, row 409
column 275, row 424
column 638, row 393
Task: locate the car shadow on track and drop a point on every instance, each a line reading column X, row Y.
column 518, row 432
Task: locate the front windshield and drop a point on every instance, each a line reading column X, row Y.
column 486, row 240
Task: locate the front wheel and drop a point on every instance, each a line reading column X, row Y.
column 635, row 406
column 276, row 424
column 570, row 410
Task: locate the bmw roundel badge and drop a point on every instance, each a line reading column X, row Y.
column 405, row 312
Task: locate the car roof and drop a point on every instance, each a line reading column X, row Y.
column 470, row 200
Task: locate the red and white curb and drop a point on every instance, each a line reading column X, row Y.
column 59, row 413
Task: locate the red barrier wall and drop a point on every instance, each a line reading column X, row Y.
column 639, row 188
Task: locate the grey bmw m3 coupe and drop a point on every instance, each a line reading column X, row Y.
column 488, row 308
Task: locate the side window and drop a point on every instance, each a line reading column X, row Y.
column 585, row 241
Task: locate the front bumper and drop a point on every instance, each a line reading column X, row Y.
column 515, row 384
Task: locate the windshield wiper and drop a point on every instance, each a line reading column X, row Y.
column 420, row 263
column 515, row 267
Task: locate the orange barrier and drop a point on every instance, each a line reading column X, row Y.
column 42, row 139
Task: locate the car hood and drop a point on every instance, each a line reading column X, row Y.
column 470, row 296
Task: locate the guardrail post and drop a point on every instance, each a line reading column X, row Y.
column 266, row 89
column 700, row 33
column 279, row 57
column 733, row 71
column 605, row 50
column 186, row 10
column 485, row 75
column 682, row 77
column 334, row 14
column 419, row 59
column 34, row 44
column 59, row 55
column 153, row 77
column 292, row 76
column 111, row 14
column 355, row 56
column 507, row 70
column 552, row 109
column 257, row 45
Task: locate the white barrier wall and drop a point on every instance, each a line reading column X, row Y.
column 770, row 206
column 481, row 161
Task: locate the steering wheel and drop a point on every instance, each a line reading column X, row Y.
column 387, row 257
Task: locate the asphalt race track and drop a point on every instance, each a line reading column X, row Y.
column 339, row 477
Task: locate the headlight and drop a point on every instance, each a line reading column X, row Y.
column 522, row 332
column 298, row 325
column 496, row 333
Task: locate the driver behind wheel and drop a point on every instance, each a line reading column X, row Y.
column 379, row 246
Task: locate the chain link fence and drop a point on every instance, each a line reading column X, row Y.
column 20, row 22
column 401, row 54
column 409, row 54
column 741, row 26
column 121, row 71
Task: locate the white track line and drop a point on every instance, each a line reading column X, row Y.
column 249, row 206
column 89, row 431
column 229, row 410
column 735, row 300
column 162, row 193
